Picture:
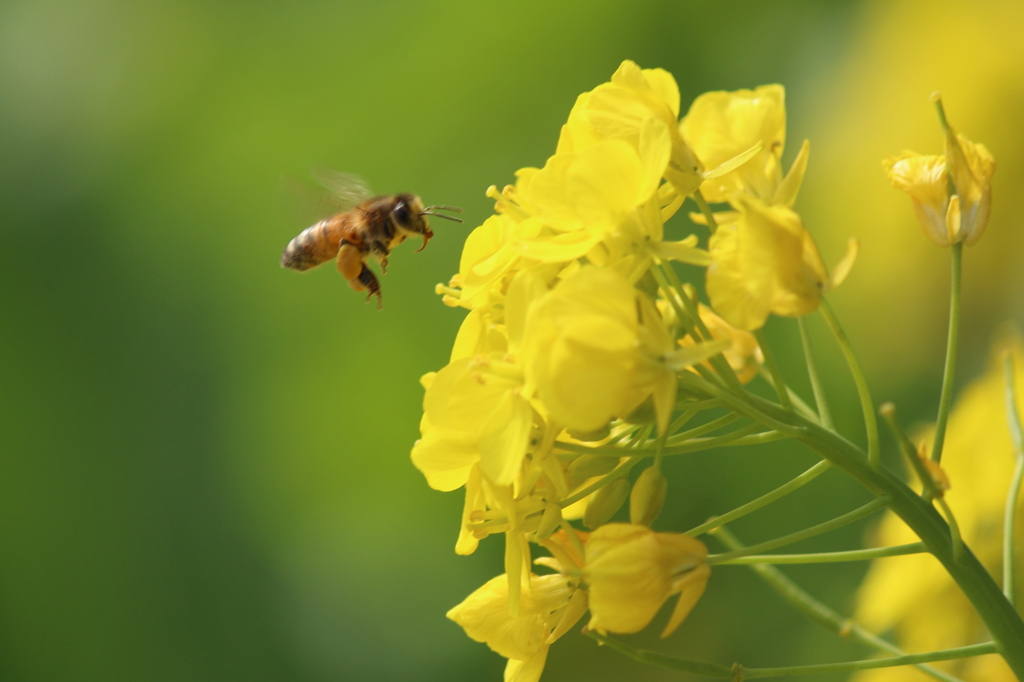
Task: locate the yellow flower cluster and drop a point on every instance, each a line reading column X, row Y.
column 914, row 595
column 573, row 338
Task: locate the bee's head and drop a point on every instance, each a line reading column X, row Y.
column 408, row 215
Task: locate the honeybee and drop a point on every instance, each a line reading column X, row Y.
column 364, row 227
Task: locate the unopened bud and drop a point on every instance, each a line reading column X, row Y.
column 606, row 502
column 550, row 521
column 589, row 466
column 647, row 497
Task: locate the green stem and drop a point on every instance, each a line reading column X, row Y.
column 697, row 431
column 825, row 557
column 931, row 489
column 873, row 663
column 1009, row 522
column 1010, row 515
column 812, row 371
column 798, row 403
column 709, row 215
column 671, row 295
column 999, row 616
column 946, row 397
column 766, row 499
column 738, row 673
column 741, row 436
column 866, row 404
column 954, row 528
column 838, row 522
column 664, row 660
column 773, row 369
column 818, row 612
column 718, row 361
column 928, row 487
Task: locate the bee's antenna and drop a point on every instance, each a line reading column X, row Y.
column 441, row 215
column 445, row 208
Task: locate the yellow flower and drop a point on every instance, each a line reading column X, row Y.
column 602, row 202
column 595, row 348
column 722, row 125
column 490, row 253
column 474, row 411
column 524, row 639
column 765, row 263
column 966, row 168
column 631, row 571
column 622, row 108
column 914, row 595
column 924, row 179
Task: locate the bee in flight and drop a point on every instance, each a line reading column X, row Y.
column 364, row 226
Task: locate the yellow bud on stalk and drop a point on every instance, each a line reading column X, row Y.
column 588, row 466
column 648, row 496
column 606, row 502
column 550, row 521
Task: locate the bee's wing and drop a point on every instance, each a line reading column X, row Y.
column 347, row 190
column 301, row 203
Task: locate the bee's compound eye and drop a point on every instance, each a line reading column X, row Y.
column 401, row 213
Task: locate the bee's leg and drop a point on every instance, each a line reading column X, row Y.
column 384, row 266
column 367, row 281
column 350, row 262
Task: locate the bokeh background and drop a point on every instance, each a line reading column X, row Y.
column 204, row 468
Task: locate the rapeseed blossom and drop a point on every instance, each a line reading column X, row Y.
column 766, row 262
column 632, row 571
column 523, row 639
column 721, row 125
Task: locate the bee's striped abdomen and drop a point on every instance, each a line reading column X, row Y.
column 314, row 245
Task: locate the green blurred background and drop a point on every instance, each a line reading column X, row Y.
column 204, row 468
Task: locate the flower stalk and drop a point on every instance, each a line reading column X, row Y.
column 1012, row 497
column 949, row 369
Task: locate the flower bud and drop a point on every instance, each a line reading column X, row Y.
column 589, row 466
column 648, row 496
column 606, row 502
column 550, row 521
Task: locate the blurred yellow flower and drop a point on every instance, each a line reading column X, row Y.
column 913, row 595
column 631, row 571
column 595, row 348
column 765, row 263
column 524, row 639
column 722, row 125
